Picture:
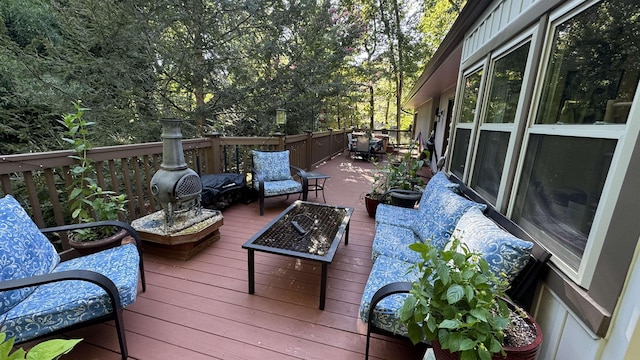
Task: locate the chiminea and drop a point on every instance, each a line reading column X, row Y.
column 175, row 186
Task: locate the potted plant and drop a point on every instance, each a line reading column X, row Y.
column 397, row 182
column 88, row 202
column 459, row 305
column 378, row 191
column 403, row 180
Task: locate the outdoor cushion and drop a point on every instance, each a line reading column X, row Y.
column 281, row 187
column 386, row 270
column 400, row 216
column 396, row 215
column 442, row 212
column 505, row 253
column 57, row 305
column 393, row 241
column 273, row 165
column 439, row 180
column 24, row 251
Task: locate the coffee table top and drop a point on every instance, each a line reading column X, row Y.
column 321, row 229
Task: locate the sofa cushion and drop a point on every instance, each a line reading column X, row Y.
column 438, row 180
column 505, row 253
column 24, row 251
column 387, row 270
column 396, row 215
column 273, row 165
column 400, row 216
column 393, row 241
column 441, row 214
column 57, row 305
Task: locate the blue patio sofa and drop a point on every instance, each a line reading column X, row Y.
column 447, row 208
column 44, row 292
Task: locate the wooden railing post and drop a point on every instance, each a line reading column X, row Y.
column 309, row 149
column 213, row 158
column 281, row 140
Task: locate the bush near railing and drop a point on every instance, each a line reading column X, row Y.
column 40, row 181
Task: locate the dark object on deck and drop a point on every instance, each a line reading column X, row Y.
column 219, row 191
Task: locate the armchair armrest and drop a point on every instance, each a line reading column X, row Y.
column 398, row 287
column 81, row 275
column 114, row 223
column 303, row 176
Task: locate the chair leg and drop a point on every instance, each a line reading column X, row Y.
column 261, row 205
column 366, row 351
column 121, row 336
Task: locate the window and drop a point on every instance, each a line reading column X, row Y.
column 594, row 67
column 471, row 91
column 560, row 189
column 470, row 97
column 500, row 113
column 590, row 78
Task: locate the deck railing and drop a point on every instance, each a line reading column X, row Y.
column 41, row 181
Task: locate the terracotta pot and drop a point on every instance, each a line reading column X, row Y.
column 528, row 352
column 90, row 247
column 371, row 204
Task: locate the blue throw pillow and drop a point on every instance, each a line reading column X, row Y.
column 442, row 211
column 24, row 251
column 274, row 165
column 506, row 254
column 438, row 180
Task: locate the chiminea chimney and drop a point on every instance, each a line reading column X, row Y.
column 175, row 186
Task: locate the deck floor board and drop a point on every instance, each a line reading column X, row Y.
column 200, row 308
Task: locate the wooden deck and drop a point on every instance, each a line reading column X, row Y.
column 200, row 308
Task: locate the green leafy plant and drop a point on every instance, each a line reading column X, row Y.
column 88, row 202
column 400, row 173
column 457, row 301
column 46, row 350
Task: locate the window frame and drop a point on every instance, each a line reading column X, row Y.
column 597, row 238
column 515, row 128
column 472, row 126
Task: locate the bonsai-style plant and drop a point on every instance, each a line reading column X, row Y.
column 88, row 202
column 459, row 304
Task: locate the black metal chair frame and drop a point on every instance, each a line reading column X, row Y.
column 86, row 275
column 260, row 178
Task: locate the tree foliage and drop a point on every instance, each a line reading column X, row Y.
column 221, row 65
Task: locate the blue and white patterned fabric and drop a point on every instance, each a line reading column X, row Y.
column 438, row 180
column 24, row 251
column 57, row 305
column 396, row 215
column 505, row 253
column 400, row 216
column 386, row 270
column 393, row 241
column 273, row 165
column 442, row 212
column 282, row 187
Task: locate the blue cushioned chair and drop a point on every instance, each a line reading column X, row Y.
column 43, row 292
column 272, row 176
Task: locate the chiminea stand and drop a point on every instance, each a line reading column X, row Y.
column 188, row 236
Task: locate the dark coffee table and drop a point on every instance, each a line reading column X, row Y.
column 304, row 230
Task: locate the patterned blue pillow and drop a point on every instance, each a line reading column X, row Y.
column 24, row 251
column 504, row 252
column 438, row 180
column 274, row 165
column 440, row 216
